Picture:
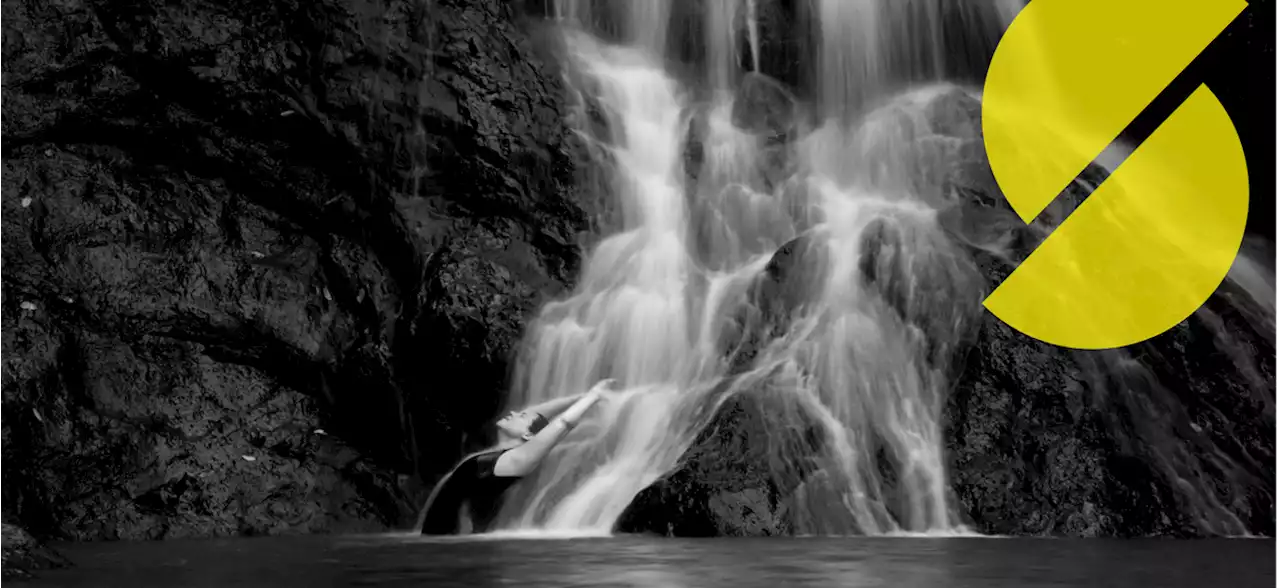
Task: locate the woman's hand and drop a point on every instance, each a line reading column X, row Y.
column 605, row 385
column 601, row 389
column 587, row 400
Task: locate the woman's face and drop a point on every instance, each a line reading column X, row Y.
column 516, row 425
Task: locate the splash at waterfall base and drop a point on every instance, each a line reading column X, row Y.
column 791, row 292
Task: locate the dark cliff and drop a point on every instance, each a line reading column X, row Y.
column 250, row 245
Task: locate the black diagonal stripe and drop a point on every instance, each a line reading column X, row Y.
column 1224, row 49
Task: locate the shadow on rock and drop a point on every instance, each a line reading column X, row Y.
column 760, row 445
column 24, row 555
column 248, row 246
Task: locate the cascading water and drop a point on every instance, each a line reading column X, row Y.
column 856, row 186
column 651, row 305
column 867, row 48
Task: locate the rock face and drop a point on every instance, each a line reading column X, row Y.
column 734, row 480
column 1172, row 437
column 24, row 555
column 248, row 246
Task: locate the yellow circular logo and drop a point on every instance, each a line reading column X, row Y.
column 1153, row 241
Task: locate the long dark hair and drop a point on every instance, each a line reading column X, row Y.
column 539, row 423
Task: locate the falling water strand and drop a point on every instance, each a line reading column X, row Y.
column 753, row 34
column 631, row 317
column 872, row 49
column 850, row 66
column 721, row 41
column 648, row 23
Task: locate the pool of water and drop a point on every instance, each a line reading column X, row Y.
column 536, row 561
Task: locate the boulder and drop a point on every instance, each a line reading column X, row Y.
column 762, row 106
column 759, row 446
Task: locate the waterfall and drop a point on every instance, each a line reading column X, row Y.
column 654, row 299
column 722, row 41
column 868, row 47
column 857, row 186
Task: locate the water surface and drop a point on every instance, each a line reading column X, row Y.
column 396, row 560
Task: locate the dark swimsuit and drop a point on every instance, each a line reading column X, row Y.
column 471, row 490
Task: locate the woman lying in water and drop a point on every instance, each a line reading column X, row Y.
column 467, row 499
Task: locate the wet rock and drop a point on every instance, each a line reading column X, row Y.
column 756, row 450
column 485, row 284
column 1132, row 442
column 800, row 201
column 1024, row 457
column 956, row 113
column 784, row 43
column 24, row 555
column 735, row 224
column 1044, row 440
column 747, row 513
column 764, row 107
column 231, row 233
column 907, row 145
column 679, row 505
column 927, row 281
column 779, row 294
column 792, row 277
